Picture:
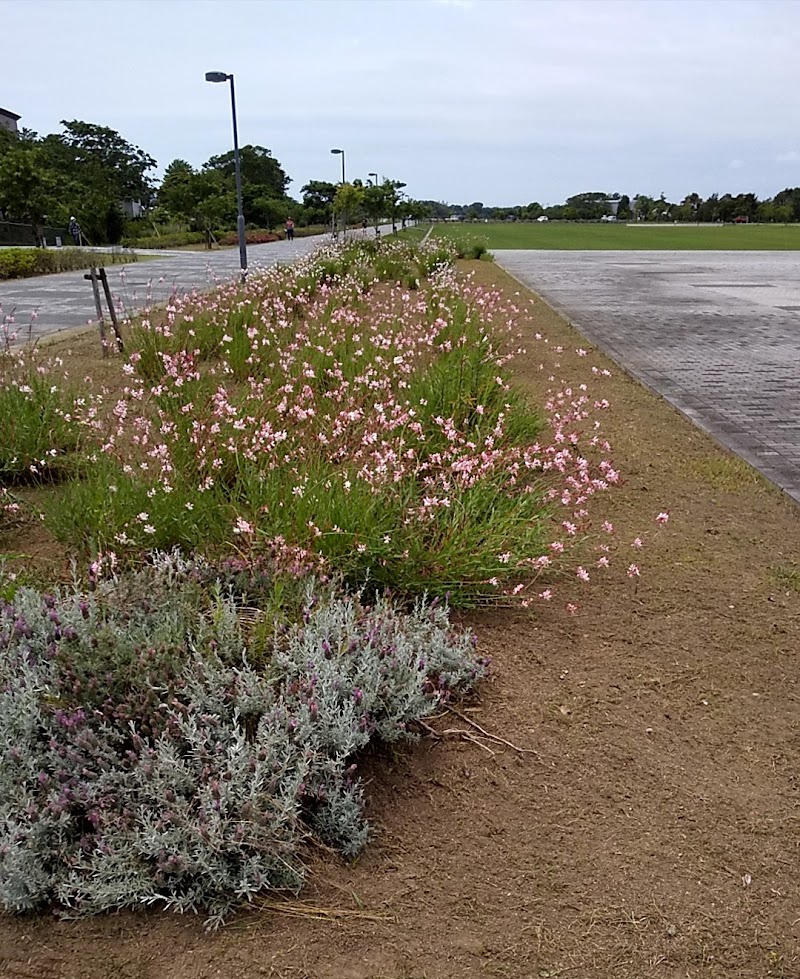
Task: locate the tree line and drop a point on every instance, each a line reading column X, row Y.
column 784, row 207
column 90, row 171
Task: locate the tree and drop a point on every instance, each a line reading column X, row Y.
column 588, row 206
column 318, row 198
column 644, row 207
column 624, row 208
column 262, row 175
column 180, row 191
column 709, row 209
column 375, row 203
column 107, row 161
column 269, row 211
column 689, row 208
column 533, row 211
column 746, row 206
column 393, row 190
column 789, row 197
column 726, row 208
column 26, row 188
column 347, row 203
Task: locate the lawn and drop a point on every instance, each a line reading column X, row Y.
column 628, row 237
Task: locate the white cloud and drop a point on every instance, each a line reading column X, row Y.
column 792, row 156
column 736, row 164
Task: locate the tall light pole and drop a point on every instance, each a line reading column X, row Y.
column 335, row 152
column 220, row 76
column 375, row 175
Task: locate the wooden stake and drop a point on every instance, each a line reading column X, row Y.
column 101, row 322
column 111, row 311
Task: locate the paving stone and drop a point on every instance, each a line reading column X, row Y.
column 715, row 333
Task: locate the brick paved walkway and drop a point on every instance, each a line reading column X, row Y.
column 716, row 333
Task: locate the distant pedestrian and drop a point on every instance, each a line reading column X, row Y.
column 289, row 229
column 364, row 225
column 75, row 230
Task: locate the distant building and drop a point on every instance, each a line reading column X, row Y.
column 133, row 209
column 8, row 121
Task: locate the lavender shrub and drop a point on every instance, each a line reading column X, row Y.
column 144, row 759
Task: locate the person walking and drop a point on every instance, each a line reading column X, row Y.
column 289, row 229
column 75, row 230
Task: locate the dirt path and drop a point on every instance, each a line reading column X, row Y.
column 655, row 831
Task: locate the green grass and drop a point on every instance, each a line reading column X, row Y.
column 624, row 237
column 726, row 472
column 786, row 576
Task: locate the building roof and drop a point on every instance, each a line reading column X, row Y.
column 9, row 115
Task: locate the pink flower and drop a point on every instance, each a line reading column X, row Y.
column 582, row 573
column 608, row 527
column 633, row 571
column 637, row 543
column 662, row 517
column 546, row 595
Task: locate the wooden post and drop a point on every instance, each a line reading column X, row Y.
column 111, row 312
column 101, row 322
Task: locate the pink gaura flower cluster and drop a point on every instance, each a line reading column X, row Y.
column 345, row 385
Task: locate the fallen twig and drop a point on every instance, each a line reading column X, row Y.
column 489, row 735
column 299, row 909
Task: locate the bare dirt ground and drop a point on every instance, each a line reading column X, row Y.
column 655, row 830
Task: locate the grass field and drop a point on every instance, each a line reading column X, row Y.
column 623, row 237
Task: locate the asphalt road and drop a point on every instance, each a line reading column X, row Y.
column 66, row 300
column 715, row 333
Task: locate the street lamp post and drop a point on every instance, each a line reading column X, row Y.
column 344, row 219
column 336, row 152
column 221, row 76
column 375, row 175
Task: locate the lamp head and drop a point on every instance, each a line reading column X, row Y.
column 216, row 76
column 337, row 151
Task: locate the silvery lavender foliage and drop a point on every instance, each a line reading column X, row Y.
column 143, row 759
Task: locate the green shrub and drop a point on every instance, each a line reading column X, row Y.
column 19, row 263
column 173, row 239
column 472, row 249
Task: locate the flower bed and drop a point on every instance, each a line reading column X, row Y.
column 352, row 414
column 347, row 425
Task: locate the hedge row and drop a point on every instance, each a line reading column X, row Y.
column 20, row 263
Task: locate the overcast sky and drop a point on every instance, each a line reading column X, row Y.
column 502, row 101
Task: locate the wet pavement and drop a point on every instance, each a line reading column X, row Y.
column 715, row 333
column 66, row 300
